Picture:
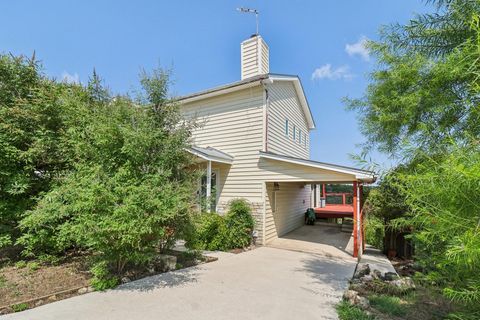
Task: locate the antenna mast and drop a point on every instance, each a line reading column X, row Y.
column 248, row 10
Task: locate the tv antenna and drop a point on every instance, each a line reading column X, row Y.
column 248, row 10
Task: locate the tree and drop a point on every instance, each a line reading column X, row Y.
column 423, row 92
column 423, row 104
column 128, row 193
column 30, row 149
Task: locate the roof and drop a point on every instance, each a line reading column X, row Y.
column 251, row 82
column 360, row 174
column 211, row 154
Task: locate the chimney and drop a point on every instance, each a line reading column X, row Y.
column 254, row 56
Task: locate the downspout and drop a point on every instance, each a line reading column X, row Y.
column 265, row 112
column 265, row 149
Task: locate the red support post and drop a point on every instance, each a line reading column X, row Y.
column 355, row 220
column 324, row 191
column 362, row 218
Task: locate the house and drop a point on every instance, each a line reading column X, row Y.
column 254, row 141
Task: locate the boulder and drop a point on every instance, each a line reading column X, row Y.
column 390, row 276
column 82, row 290
column 362, row 270
column 366, row 278
column 354, row 298
column 405, row 284
column 167, row 262
column 125, row 280
column 377, row 275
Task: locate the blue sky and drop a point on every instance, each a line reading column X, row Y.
column 200, row 40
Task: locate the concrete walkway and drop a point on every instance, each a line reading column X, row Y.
column 376, row 260
column 265, row 283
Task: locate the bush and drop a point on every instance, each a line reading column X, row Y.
column 240, row 223
column 102, row 277
column 210, row 232
column 374, row 231
column 215, row 232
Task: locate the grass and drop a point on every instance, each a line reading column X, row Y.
column 348, row 312
column 390, row 305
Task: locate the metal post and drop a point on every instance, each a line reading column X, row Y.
column 209, row 185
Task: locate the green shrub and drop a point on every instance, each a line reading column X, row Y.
column 102, row 277
column 388, row 304
column 240, row 223
column 128, row 193
column 209, row 233
column 20, row 307
column 20, row 264
column 346, row 311
column 374, row 231
column 216, row 232
column 33, row 266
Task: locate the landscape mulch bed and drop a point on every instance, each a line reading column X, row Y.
column 33, row 284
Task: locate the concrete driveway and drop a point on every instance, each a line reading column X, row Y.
column 322, row 238
column 266, row 283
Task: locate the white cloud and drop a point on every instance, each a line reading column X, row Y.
column 69, row 78
column 327, row 72
column 359, row 48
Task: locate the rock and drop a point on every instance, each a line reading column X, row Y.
column 38, row 303
column 376, row 274
column 405, row 283
column 125, row 280
column 167, row 262
column 350, row 295
column 362, row 302
column 52, row 298
column 362, row 270
column 82, row 290
column 366, row 278
column 354, row 298
column 90, row 289
column 390, row 276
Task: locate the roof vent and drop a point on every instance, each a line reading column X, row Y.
column 254, row 56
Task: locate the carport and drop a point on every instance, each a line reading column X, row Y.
column 294, row 186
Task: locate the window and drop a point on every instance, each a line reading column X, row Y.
column 294, row 133
column 286, row 127
column 299, row 136
column 305, row 140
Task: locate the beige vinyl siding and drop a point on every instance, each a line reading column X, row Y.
column 233, row 123
column 285, row 105
column 292, row 200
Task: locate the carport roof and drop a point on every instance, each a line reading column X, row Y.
column 360, row 175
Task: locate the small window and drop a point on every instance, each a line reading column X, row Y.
column 299, row 136
column 286, row 127
column 305, row 140
column 294, row 133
